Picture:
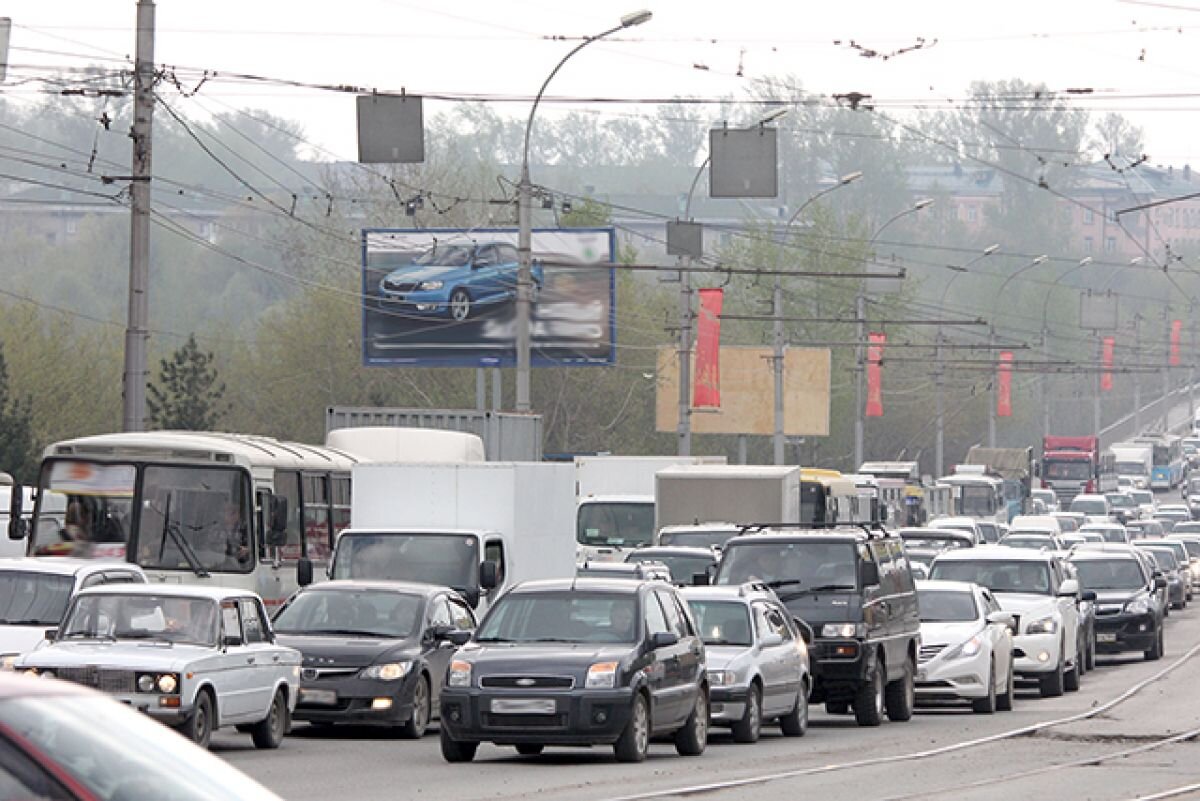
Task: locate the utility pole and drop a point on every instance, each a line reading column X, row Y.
column 939, row 381
column 1096, row 381
column 777, row 366
column 1137, row 375
column 1166, row 372
column 136, row 334
column 1045, row 382
column 1191, row 362
column 860, row 311
column 995, row 394
column 684, row 426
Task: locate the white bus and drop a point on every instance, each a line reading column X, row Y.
column 232, row 510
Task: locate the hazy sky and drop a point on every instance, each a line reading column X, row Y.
column 1140, row 57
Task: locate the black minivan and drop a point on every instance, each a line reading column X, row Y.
column 854, row 588
column 585, row 661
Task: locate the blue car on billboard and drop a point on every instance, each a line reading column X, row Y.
column 456, row 280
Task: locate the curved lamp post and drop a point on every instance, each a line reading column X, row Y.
column 992, row 343
column 525, row 232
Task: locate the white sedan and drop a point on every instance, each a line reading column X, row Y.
column 966, row 646
column 195, row 658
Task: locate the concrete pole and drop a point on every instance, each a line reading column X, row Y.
column 1045, row 382
column 777, row 366
column 1191, row 363
column 136, row 333
column 684, row 426
column 524, row 279
column 1166, row 375
column 860, row 312
column 995, row 393
column 1096, row 383
column 939, row 444
column 1137, row 376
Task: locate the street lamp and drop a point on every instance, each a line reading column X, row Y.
column 524, row 214
column 1045, row 378
column 777, row 439
column 992, row 343
column 860, row 312
column 938, row 375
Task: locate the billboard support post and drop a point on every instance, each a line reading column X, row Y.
column 524, row 190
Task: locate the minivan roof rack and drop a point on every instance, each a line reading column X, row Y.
column 872, row 529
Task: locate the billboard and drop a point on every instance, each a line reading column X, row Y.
column 748, row 393
column 447, row 297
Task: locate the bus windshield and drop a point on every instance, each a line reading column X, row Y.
column 97, row 502
column 977, row 501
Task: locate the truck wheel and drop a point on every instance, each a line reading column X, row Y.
column 634, row 741
column 749, row 727
column 455, row 750
column 868, row 699
column 901, row 695
column 268, row 732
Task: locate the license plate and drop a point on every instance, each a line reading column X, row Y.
column 523, row 706
column 307, row 696
column 1106, row 636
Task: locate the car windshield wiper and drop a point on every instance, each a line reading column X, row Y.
column 784, row 583
column 341, row 632
column 828, row 587
column 492, row 639
column 30, row 622
column 724, row 642
column 172, row 528
column 83, row 635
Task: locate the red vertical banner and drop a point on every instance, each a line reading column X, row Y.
column 1004, row 385
column 1106, row 359
column 1176, row 330
column 875, row 374
column 706, row 390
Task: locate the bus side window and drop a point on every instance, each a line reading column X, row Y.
column 287, row 485
column 317, row 536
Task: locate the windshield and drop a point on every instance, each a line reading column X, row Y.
column 802, row 565
column 932, row 541
column 369, row 613
column 526, row 617
column 450, row 560
column 1120, row 500
column 1131, row 468
column 1034, row 541
column 682, row 568
column 998, row 576
column 722, row 622
column 121, row 754
column 142, row 617
column 1067, row 524
column 1165, row 556
column 1193, row 486
column 1089, row 506
column 84, row 509
column 976, row 501
column 445, row 256
column 1043, row 495
column 697, row 539
column 33, row 599
column 947, row 606
column 1067, row 469
column 1142, row 496
column 1192, row 547
column 1109, row 574
column 623, row 524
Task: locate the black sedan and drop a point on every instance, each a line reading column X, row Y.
column 374, row 652
column 576, row 662
column 1128, row 615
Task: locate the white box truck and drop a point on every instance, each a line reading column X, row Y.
column 479, row 528
column 615, row 497
column 397, row 444
column 734, row 494
column 1135, row 462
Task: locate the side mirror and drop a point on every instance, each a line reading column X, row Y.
column 438, row 633
column 1068, row 589
column 51, row 634
column 489, row 575
column 16, row 529
column 277, row 532
column 304, row 571
column 870, row 574
column 1000, row 618
column 701, row 580
column 459, row 637
column 772, row 640
column 664, row 639
column 1088, row 595
column 1160, row 583
column 231, row 640
column 806, row 632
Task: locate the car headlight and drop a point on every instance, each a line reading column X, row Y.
column 9, row 661
column 1046, row 625
column 843, row 630
column 965, row 650
column 459, row 675
column 721, row 678
column 1138, row 606
column 388, row 671
column 427, row 285
column 602, row 675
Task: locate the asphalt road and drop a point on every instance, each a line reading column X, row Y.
column 836, row 760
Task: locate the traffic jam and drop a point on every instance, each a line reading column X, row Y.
column 237, row 584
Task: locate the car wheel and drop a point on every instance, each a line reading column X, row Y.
column 1156, row 651
column 1005, row 702
column 530, row 749
column 268, row 732
column 901, row 695
column 987, row 704
column 1051, row 685
column 414, row 728
column 795, row 723
column 749, row 727
column 460, row 305
column 634, row 741
column 198, row 726
column 868, row 699
column 1071, row 677
column 457, row 750
column 1090, row 657
column 691, row 739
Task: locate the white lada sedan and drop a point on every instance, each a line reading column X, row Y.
column 195, row 658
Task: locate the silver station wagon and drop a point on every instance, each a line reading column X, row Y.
column 194, row 658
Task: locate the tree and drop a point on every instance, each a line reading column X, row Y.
column 17, row 455
column 190, row 398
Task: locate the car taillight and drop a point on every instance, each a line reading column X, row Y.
column 1088, row 487
column 1044, row 484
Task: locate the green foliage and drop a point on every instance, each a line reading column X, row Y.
column 18, row 456
column 188, row 397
